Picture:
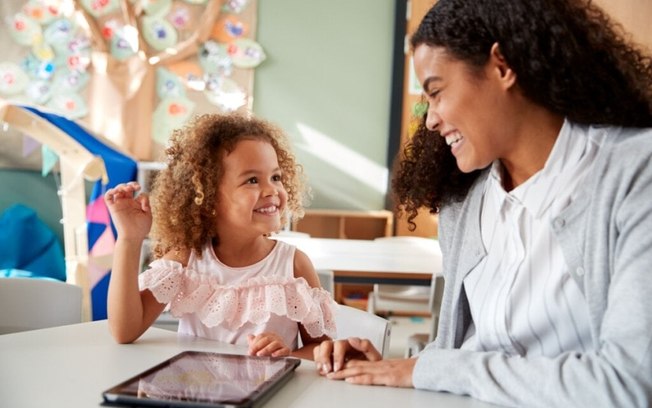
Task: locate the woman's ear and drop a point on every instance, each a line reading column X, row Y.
column 499, row 65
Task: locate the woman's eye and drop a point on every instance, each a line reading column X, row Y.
column 252, row 180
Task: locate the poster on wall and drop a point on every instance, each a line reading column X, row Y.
column 130, row 70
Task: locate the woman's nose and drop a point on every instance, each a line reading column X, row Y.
column 432, row 120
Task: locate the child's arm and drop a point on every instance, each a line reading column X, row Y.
column 270, row 344
column 130, row 312
column 303, row 269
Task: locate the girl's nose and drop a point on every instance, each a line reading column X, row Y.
column 270, row 190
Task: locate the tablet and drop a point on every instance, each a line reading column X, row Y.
column 205, row 379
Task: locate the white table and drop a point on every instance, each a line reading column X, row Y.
column 70, row 366
column 402, row 262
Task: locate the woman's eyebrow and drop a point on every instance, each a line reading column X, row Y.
column 428, row 81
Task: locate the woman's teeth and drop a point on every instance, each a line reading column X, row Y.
column 452, row 138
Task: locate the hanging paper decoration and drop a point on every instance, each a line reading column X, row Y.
column 158, row 33
column 29, row 145
column 59, row 34
column 171, row 113
column 168, row 84
column 113, row 62
column 50, row 159
column 123, row 44
column 228, row 28
column 41, row 12
column 12, row 79
column 53, row 73
column 39, row 92
column 180, row 18
column 69, row 81
column 215, row 60
column 235, row 6
column 225, row 93
column 100, row 8
column 71, row 104
column 156, row 7
column 246, row 53
column 23, row 29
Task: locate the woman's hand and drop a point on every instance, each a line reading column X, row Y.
column 131, row 216
column 267, row 344
column 331, row 355
column 394, row 373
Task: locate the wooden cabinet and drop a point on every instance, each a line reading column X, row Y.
column 346, row 224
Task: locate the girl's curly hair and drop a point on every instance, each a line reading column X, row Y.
column 184, row 194
column 568, row 56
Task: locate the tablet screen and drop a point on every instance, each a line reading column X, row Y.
column 194, row 378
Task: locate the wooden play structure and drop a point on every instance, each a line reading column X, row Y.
column 76, row 164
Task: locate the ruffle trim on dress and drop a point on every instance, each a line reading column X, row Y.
column 189, row 291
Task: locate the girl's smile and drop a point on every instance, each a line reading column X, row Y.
column 251, row 195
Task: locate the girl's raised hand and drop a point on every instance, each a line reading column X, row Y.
column 267, row 344
column 131, row 215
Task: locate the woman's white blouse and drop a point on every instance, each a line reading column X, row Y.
column 523, row 300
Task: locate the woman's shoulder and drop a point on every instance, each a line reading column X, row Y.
column 623, row 148
column 617, row 138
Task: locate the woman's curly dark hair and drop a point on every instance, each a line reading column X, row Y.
column 568, row 56
column 184, row 194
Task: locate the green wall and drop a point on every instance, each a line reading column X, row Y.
column 327, row 82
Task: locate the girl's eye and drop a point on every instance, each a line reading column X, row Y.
column 252, row 180
column 276, row 177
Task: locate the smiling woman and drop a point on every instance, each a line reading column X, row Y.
column 535, row 151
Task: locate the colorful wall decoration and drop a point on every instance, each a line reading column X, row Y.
column 133, row 70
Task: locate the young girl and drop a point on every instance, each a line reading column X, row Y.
column 230, row 181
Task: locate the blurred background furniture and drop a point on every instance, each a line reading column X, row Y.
column 36, row 303
column 409, row 300
column 353, row 322
column 346, row 224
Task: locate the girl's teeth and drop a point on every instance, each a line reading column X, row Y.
column 267, row 210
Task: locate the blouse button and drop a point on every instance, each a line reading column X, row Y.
column 559, row 223
column 580, row 271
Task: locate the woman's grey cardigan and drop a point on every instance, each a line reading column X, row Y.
column 606, row 238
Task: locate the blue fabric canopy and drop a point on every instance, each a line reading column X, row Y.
column 120, row 168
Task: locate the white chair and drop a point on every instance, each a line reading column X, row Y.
column 400, row 299
column 327, row 280
column 32, row 303
column 352, row 322
column 418, row 341
column 410, row 300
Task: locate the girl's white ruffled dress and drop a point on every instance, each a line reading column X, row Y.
column 215, row 301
